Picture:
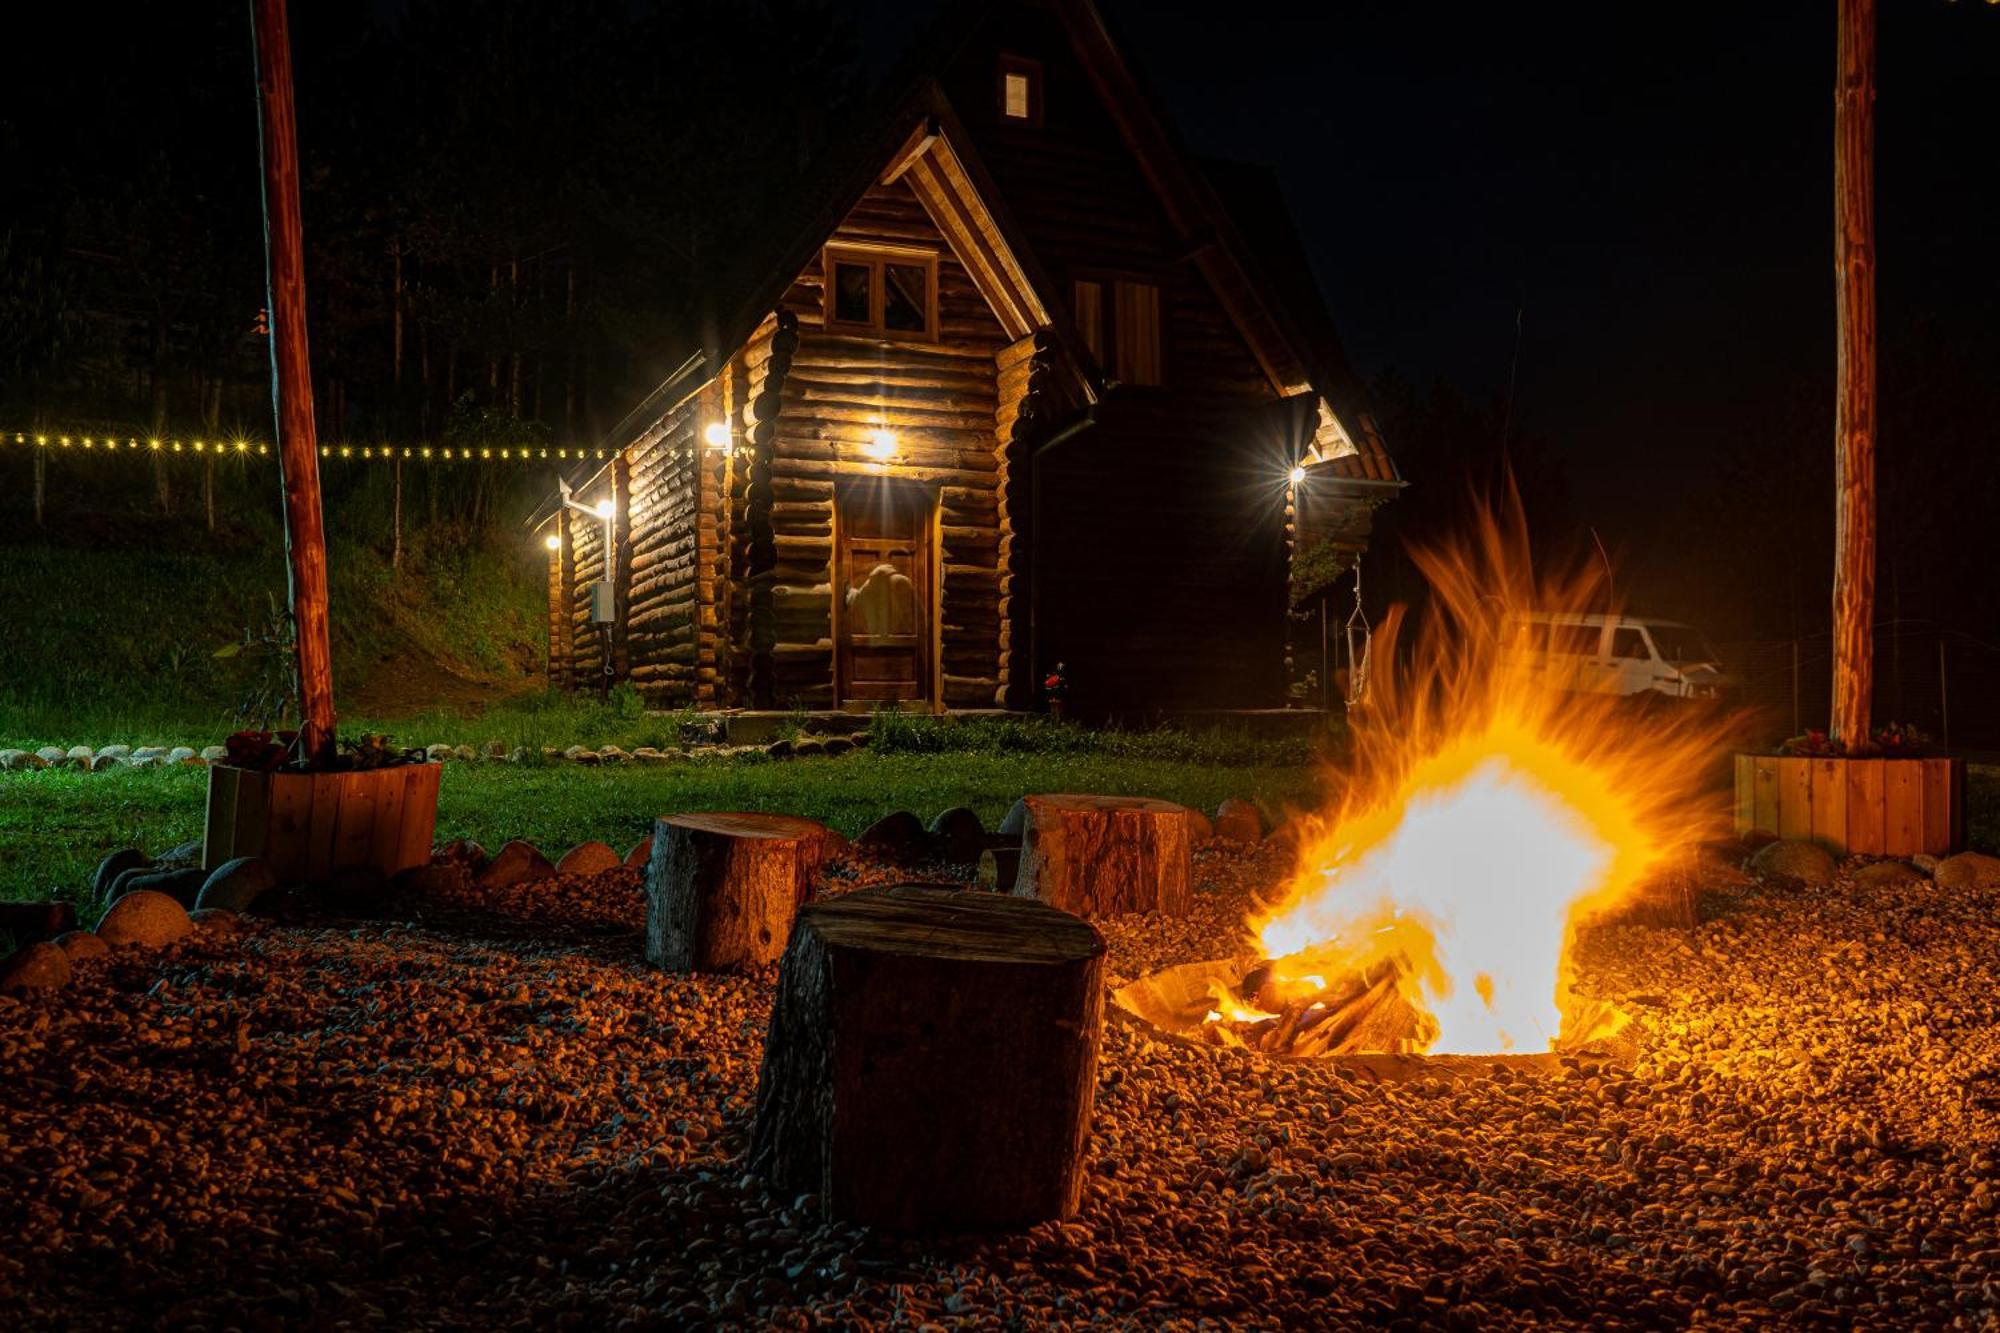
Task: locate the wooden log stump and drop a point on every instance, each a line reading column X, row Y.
column 932, row 1058
column 722, row 889
column 1100, row 856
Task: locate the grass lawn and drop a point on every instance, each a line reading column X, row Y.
column 56, row 824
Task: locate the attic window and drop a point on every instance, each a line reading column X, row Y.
column 886, row 293
column 1020, row 90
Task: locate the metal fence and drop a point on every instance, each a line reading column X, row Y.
column 1941, row 680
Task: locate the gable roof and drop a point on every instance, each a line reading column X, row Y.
column 1231, row 220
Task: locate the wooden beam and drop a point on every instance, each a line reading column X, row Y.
column 291, row 379
column 912, row 152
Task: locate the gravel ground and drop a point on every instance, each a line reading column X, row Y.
column 490, row 1115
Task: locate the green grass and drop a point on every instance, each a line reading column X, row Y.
column 119, row 645
column 56, row 824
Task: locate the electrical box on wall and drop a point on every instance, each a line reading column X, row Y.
column 601, row 612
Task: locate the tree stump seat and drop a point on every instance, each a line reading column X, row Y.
column 932, row 1058
column 722, row 888
column 1100, row 856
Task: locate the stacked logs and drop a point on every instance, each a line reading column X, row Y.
column 1355, row 1013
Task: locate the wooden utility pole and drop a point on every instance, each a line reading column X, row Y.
column 1854, row 413
column 291, row 378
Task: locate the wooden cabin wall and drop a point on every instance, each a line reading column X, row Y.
column 590, row 644
column 1159, row 562
column 942, row 401
column 661, row 613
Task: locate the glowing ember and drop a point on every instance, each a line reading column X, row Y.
column 1487, row 812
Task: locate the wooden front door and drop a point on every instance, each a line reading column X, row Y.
column 883, row 590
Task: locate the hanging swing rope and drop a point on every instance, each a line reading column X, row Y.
column 1360, row 646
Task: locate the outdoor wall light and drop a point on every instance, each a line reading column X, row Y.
column 881, row 445
column 716, row 435
column 1298, row 473
column 553, row 541
column 602, row 600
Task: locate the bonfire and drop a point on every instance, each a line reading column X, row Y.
column 1487, row 813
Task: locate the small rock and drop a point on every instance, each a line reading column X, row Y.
column 183, row 886
column 1237, row 820
column 1968, row 870
column 1793, row 861
column 641, row 854
column 438, row 753
column 82, row 944
column 779, row 749
column 464, row 852
column 465, row 754
column 612, row 754
column 50, row 756
column 1925, row 862
column 182, row 754
column 809, row 745
column 115, row 752
column 1200, row 830
column 647, row 754
column 145, row 919
column 111, row 867
column 896, row 837
column 517, row 863
column 494, row 750
column 588, row 858
column 1887, row 875
column 214, row 754
column 957, row 836
column 234, row 885
column 836, row 745
column 185, row 854
column 860, row 740
column 82, row 756
column 151, row 752
column 40, row 966
column 97, row 763
column 1015, row 825
column 13, row 759
column 518, row 755
column 214, row 920
column 576, row 754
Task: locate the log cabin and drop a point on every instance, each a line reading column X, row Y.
column 1026, row 386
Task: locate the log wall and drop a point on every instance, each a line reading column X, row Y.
column 661, row 611
column 942, row 400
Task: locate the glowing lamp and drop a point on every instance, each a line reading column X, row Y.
column 716, row 435
column 604, row 509
column 1298, row 474
column 881, row 445
column 553, row 541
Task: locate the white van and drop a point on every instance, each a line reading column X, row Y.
column 1599, row 654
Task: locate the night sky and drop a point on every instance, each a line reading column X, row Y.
column 1647, row 187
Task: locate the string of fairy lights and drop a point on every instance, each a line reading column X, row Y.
column 130, row 445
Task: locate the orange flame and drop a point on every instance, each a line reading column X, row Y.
column 1488, row 809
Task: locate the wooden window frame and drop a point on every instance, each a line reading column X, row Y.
column 1031, row 70
column 876, row 258
column 1107, row 281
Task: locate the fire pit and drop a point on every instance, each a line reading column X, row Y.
column 1363, row 1022
column 1489, row 809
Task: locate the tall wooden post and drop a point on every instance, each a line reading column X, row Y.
column 1854, row 417
column 291, row 377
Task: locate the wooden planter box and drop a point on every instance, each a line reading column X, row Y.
column 308, row 825
column 1869, row 807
